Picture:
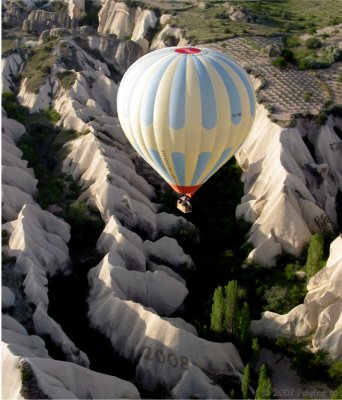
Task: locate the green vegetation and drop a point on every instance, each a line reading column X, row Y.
column 67, row 78
column 246, row 381
column 313, row 43
column 38, row 66
column 307, row 96
column 7, row 46
column 310, row 366
column 5, row 237
column 91, row 18
column 264, row 389
column 30, row 388
column 218, row 311
column 296, row 16
column 52, row 115
column 231, row 298
column 279, row 62
column 315, row 258
column 228, row 316
column 337, row 394
column 13, row 109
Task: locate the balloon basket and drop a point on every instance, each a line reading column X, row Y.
column 184, row 204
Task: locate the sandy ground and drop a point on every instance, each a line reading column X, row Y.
column 286, row 382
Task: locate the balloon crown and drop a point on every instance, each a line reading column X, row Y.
column 187, row 50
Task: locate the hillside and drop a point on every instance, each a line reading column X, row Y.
column 108, row 291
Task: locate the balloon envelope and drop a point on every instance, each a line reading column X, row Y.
column 186, row 111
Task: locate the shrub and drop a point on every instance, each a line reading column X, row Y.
column 91, row 18
column 335, row 371
column 313, row 43
column 337, row 394
column 52, row 114
column 13, row 108
column 67, row 78
column 310, row 366
column 51, row 192
column 292, row 41
column 279, row 62
column 38, row 67
column 287, row 54
column 5, row 237
column 307, row 96
column 255, row 349
column 315, row 261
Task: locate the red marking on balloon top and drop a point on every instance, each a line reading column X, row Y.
column 188, row 50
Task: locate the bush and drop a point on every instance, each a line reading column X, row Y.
column 13, row 108
column 337, row 394
column 292, row 41
column 52, row 114
column 91, row 18
column 313, row 43
column 38, row 67
column 67, row 78
column 287, row 54
column 279, row 62
column 315, row 261
column 310, row 366
column 307, row 96
column 335, row 371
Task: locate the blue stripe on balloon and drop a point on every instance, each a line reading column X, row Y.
column 179, row 165
column 147, row 106
column 232, row 91
column 159, row 162
column 244, row 78
column 177, row 96
column 202, row 162
column 133, row 75
column 221, row 161
column 208, row 101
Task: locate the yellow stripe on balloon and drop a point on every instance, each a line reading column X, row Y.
column 193, row 120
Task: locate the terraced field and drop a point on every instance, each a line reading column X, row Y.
column 287, row 91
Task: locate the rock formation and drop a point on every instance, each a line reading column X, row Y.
column 29, row 372
column 320, row 316
column 289, row 193
column 125, row 22
column 40, row 20
column 18, row 181
column 15, row 13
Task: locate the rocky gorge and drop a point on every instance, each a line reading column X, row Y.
column 134, row 272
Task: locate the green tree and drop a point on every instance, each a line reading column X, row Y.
column 217, row 311
column 337, row 394
column 245, row 381
column 335, row 370
column 242, row 324
column 264, row 389
column 255, row 349
column 231, row 292
column 314, row 261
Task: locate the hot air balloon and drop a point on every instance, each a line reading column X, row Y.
column 186, row 111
